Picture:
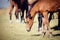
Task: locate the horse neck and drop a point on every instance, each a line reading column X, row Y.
column 33, row 9
column 21, row 1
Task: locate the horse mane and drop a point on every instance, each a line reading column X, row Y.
column 32, row 5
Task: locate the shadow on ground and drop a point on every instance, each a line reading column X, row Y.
column 36, row 35
column 57, row 27
column 56, row 35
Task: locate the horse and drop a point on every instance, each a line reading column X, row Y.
column 31, row 3
column 43, row 7
column 19, row 4
column 24, row 6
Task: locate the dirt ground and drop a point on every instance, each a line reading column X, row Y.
column 17, row 31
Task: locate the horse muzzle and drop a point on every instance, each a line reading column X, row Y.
column 28, row 30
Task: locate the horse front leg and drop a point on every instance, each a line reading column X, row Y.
column 46, row 23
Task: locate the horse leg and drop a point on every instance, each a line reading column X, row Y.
column 39, row 22
column 50, row 17
column 10, row 13
column 59, row 20
column 27, row 9
column 17, row 14
column 22, row 16
column 46, row 23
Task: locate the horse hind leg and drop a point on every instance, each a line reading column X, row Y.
column 22, row 16
column 59, row 19
column 27, row 9
column 17, row 14
column 51, row 15
column 10, row 13
column 17, row 17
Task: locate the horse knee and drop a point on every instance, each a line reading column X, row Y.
column 43, row 20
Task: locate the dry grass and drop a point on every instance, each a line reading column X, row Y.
column 17, row 31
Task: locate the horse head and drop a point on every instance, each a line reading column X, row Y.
column 29, row 22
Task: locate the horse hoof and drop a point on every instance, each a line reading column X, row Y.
column 10, row 21
column 39, row 29
column 43, row 34
column 17, row 21
column 24, row 22
column 50, row 36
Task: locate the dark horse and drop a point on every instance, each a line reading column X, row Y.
column 19, row 4
column 44, row 7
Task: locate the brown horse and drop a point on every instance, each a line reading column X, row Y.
column 12, row 5
column 18, row 4
column 31, row 4
column 44, row 7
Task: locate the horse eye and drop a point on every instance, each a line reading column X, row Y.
column 27, row 22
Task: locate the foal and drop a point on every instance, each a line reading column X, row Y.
column 31, row 4
column 44, row 7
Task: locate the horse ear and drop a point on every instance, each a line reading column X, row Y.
column 29, row 16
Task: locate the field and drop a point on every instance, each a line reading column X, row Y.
column 17, row 31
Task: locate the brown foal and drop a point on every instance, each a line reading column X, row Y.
column 42, row 6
